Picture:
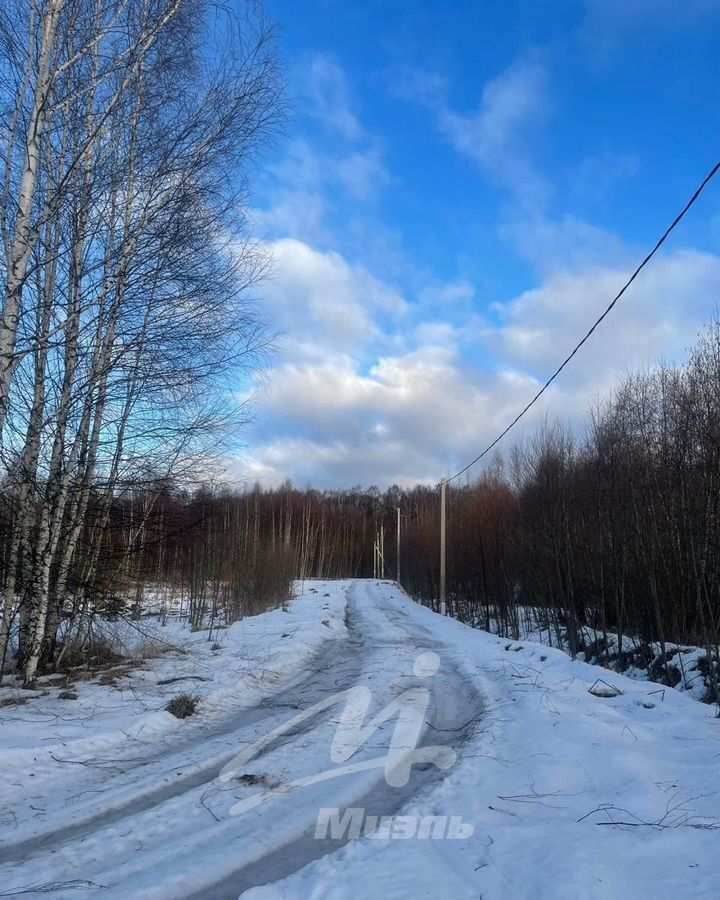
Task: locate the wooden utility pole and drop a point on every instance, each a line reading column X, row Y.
column 382, row 551
column 442, row 545
column 397, row 567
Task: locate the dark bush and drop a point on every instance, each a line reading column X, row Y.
column 183, row 706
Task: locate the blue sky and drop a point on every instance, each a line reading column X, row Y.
column 460, row 189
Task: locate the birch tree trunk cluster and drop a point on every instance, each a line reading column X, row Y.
column 128, row 127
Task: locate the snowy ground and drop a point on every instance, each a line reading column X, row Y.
column 110, row 795
column 686, row 665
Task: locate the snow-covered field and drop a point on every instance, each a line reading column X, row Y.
column 571, row 789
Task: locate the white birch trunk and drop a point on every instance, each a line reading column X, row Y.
column 21, row 244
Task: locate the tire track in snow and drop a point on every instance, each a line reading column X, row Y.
column 451, row 724
column 328, row 659
column 376, row 635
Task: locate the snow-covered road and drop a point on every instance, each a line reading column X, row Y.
column 524, row 770
column 156, row 823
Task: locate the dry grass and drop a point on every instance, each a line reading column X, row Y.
column 13, row 701
column 96, row 655
column 183, row 706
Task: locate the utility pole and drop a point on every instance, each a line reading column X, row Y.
column 382, row 551
column 397, row 567
column 442, row 545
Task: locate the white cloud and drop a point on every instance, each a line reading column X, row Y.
column 373, row 386
column 362, row 173
column 660, row 315
column 564, row 244
column 419, row 85
column 497, row 134
column 600, row 172
column 402, row 421
column 447, row 295
column 325, row 306
column 346, row 405
column 325, row 89
column 308, row 186
column 295, row 197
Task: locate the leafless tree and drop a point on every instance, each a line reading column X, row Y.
column 128, row 269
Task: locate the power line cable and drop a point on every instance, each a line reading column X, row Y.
column 710, row 175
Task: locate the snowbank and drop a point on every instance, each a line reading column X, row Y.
column 682, row 667
column 236, row 668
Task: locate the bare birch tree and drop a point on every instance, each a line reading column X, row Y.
column 127, row 269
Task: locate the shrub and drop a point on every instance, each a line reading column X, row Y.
column 183, row 706
column 264, row 582
column 13, row 701
column 98, row 653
